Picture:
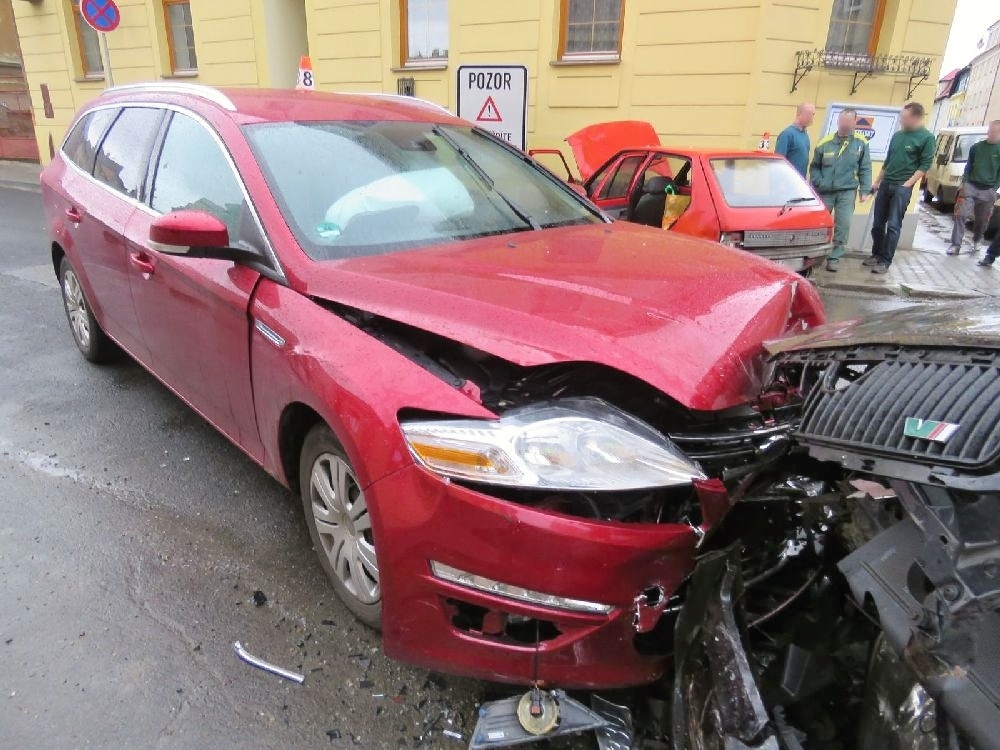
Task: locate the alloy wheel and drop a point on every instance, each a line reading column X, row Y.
column 343, row 524
column 76, row 309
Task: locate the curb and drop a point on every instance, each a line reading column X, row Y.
column 857, row 286
column 22, row 185
column 916, row 291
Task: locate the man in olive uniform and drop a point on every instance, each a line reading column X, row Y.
column 910, row 153
column 841, row 172
column 979, row 190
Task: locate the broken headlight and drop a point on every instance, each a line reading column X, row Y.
column 582, row 444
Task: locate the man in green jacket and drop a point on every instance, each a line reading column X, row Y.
column 979, row 190
column 911, row 151
column 841, row 171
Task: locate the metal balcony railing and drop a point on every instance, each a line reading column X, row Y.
column 916, row 69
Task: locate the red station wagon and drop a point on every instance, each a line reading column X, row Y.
column 751, row 200
column 509, row 420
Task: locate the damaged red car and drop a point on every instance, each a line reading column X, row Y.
column 751, row 200
column 510, row 421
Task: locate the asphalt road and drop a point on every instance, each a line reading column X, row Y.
column 132, row 540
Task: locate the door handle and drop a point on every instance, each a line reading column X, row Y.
column 142, row 262
column 74, row 215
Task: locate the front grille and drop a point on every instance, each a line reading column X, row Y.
column 785, row 238
column 730, row 452
column 865, row 406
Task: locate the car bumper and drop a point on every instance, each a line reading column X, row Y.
column 795, row 258
column 420, row 518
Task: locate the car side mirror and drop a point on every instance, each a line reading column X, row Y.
column 190, row 233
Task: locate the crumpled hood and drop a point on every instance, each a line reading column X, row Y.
column 685, row 315
column 970, row 323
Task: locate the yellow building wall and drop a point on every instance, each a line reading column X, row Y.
column 705, row 74
column 237, row 42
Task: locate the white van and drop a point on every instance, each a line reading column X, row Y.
column 945, row 175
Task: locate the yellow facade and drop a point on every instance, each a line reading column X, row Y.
column 704, row 73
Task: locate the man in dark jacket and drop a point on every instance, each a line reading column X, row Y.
column 910, row 153
column 841, row 171
column 979, row 190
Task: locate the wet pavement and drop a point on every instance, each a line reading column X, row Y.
column 137, row 544
column 921, row 272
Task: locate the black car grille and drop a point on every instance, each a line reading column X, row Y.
column 865, row 407
column 732, row 450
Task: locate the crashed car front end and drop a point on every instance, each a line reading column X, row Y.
column 885, row 630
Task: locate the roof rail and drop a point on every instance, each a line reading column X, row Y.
column 425, row 103
column 193, row 89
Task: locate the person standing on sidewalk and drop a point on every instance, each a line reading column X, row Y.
column 911, row 151
column 979, row 190
column 793, row 142
column 841, row 172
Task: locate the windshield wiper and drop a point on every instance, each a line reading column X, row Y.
column 792, row 201
column 484, row 176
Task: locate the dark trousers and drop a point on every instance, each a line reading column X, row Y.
column 891, row 202
column 993, row 251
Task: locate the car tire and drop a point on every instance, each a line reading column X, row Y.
column 339, row 524
column 93, row 343
column 941, row 205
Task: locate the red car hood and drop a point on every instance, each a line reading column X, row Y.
column 595, row 144
column 685, row 315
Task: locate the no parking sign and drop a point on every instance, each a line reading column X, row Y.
column 100, row 15
column 495, row 97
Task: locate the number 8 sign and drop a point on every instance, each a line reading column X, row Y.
column 306, row 81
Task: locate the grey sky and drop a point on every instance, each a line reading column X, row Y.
column 972, row 18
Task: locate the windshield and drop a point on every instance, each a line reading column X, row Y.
column 964, row 143
column 748, row 182
column 351, row 189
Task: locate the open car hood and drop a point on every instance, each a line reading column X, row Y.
column 684, row 315
column 971, row 323
column 593, row 145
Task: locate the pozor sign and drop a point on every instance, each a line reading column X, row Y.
column 495, row 97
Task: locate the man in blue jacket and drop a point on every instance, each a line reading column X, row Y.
column 841, row 172
column 793, row 141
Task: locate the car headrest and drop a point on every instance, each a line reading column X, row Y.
column 656, row 185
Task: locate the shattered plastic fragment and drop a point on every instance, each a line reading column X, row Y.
column 498, row 724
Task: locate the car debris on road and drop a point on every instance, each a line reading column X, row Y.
column 267, row 666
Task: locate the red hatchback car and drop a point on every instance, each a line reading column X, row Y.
column 509, row 420
column 752, row 200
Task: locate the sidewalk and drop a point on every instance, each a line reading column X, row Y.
column 921, row 272
column 19, row 175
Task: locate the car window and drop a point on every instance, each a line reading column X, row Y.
column 80, row 146
column 617, row 186
column 944, row 144
column 676, row 168
column 122, row 158
column 192, row 173
column 749, row 182
column 962, row 145
column 368, row 187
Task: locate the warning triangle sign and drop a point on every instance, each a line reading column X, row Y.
column 489, row 112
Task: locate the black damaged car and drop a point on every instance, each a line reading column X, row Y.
column 852, row 598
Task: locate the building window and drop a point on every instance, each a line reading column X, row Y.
column 424, row 31
column 855, row 26
column 591, row 28
column 180, row 36
column 89, row 44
